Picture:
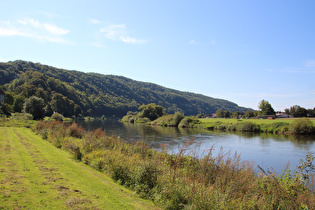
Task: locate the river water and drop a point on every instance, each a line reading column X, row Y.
column 269, row 151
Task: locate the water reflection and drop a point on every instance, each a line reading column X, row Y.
column 266, row 150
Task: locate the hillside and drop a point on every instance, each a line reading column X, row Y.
column 73, row 92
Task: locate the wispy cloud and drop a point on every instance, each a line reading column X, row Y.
column 94, row 21
column 49, row 14
column 118, row 32
column 307, row 67
column 310, row 63
column 194, row 42
column 32, row 28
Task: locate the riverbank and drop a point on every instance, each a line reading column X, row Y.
column 177, row 181
column 295, row 126
column 36, row 175
column 171, row 181
column 276, row 126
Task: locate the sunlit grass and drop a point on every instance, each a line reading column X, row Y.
column 36, row 175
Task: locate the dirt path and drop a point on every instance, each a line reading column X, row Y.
column 34, row 174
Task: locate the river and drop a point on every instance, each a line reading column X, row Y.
column 269, row 151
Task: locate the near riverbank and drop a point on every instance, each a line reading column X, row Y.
column 36, row 175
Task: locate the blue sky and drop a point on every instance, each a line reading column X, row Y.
column 242, row 51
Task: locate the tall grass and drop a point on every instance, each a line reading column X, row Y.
column 302, row 126
column 183, row 181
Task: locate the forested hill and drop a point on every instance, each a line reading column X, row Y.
column 73, row 92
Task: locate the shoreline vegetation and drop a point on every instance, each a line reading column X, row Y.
column 149, row 115
column 182, row 181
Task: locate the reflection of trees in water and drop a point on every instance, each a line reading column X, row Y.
column 156, row 135
column 301, row 141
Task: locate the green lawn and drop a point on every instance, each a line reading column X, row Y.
column 36, row 175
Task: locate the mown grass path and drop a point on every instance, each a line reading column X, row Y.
column 36, row 175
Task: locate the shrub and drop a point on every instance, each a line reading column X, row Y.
column 248, row 127
column 22, row 116
column 188, row 122
column 75, row 131
column 302, row 126
column 56, row 116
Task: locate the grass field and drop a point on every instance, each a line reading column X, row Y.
column 36, row 175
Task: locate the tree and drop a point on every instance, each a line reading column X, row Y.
column 223, row 114
column 219, row 113
column 249, row 114
column 151, row 111
column 297, row 111
column 62, row 105
column 265, row 108
column 227, row 114
column 236, row 114
column 35, row 106
column 18, row 103
column 311, row 112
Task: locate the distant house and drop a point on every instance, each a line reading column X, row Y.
column 284, row 116
column 269, row 117
column 1, row 97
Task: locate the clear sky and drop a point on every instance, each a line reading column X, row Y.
column 240, row 50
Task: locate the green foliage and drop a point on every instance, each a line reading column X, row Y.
column 151, row 111
column 188, row 122
column 58, row 117
column 247, row 127
column 297, row 111
column 302, row 126
column 74, row 93
column 223, row 114
column 170, row 120
column 35, row 106
column 18, row 103
column 249, row 114
column 265, row 108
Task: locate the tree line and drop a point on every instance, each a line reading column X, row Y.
column 265, row 109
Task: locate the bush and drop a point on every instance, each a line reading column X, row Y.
column 75, row 131
column 22, row 116
column 248, row 127
column 56, row 116
column 171, row 120
column 302, row 126
column 188, row 122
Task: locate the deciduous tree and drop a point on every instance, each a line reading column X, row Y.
column 151, row 111
column 35, row 106
column 265, row 108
